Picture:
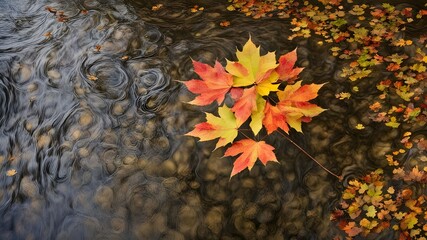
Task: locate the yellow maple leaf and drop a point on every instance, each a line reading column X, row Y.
column 360, row 74
column 258, row 115
column 419, row 67
column 223, row 127
column 409, row 221
column 393, row 123
column 11, row 172
column 370, row 211
column 252, row 68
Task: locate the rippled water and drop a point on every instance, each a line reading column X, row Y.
column 91, row 118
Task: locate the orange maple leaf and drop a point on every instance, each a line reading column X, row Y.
column 250, row 151
column 274, row 118
column 293, row 107
column 213, row 86
column 351, row 229
column 223, row 127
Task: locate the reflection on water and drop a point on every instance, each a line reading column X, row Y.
column 91, row 118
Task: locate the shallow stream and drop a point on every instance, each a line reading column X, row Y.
column 92, row 118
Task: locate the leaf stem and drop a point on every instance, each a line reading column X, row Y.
column 245, row 135
column 311, row 157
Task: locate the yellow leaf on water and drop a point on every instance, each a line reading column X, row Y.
column 92, row 77
column 343, row 95
column 252, row 68
column 409, row 221
column 370, row 211
column 223, row 127
column 231, row 8
column 347, row 195
column 419, row 67
column 393, row 123
column 11, row 172
column 360, row 74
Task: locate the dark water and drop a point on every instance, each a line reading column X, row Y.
column 106, row 159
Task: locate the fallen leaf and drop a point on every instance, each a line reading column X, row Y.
column 214, row 84
column 223, row 127
column 250, row 151
column 11, row 172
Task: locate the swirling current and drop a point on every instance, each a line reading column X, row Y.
column 92, row 118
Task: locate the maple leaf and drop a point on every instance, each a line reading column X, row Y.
column 11, row 172
column 274, row 118
column 257, row 73
column 250, row 151
column 351, row 229
column 409, row 221
column 223, row 127
column 293, row 102
column 252, row 68
column 257, row 116
column 244, row 106
column 286, row 69
column 213, row 86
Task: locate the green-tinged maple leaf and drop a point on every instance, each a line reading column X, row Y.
column 256, row 73
column 392, row 123
column 223, row 127
column 251, row 68
column 419, row 67
column 250, row 151
column 215, row 84
column 370, row 211
column 409, row 221
column 360, row 73
column 339, row 22
column 258, row 115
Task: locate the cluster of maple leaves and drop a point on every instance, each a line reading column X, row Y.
column 373, row 204
column 395, row 199
column 358, row 34
column 255, row 85
column 365, row 29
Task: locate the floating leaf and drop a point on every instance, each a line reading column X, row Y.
column 293, row 102
column 418, row 67
column 223, row 127
column 250, row 151
column 361, row 73
column 11, row 172
column 213, row 86
column 251, row 68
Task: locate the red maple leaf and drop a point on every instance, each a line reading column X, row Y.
column 213, row 86
column 286, row 69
